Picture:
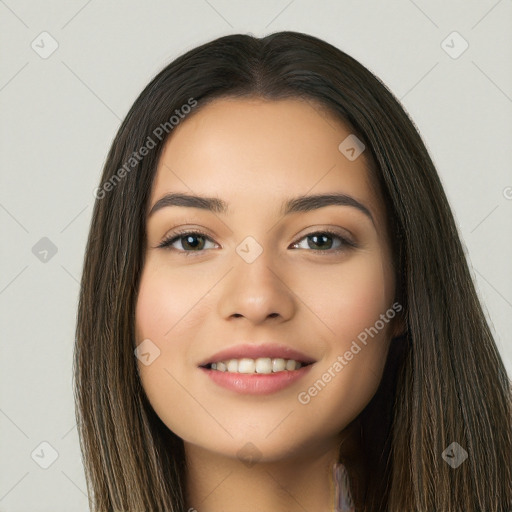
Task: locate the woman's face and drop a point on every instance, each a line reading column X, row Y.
column 258, row 275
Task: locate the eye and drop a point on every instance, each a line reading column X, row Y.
column 190, row 240
column 196, row 240
column 321, row 239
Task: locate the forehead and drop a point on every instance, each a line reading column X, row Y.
column 253, row 151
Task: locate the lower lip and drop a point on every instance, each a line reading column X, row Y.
column 256, row 383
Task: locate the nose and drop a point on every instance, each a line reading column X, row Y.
column 256, row 291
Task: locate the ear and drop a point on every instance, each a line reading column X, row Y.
column 398, row 325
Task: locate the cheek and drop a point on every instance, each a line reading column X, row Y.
column 352, row 297
column 157, row 307
column 167, row 301
column 165, row 310
column 166, row 314
column 357, row 297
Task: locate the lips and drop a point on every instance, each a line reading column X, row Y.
column 252, row 351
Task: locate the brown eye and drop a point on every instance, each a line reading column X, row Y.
column 191, row 241
column 321, row 241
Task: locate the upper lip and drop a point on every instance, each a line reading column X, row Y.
column 253, row 351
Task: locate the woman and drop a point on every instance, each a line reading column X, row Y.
column 276, row 312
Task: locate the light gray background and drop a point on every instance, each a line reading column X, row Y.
column 59, row 116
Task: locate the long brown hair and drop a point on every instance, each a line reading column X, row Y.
column 444, row 379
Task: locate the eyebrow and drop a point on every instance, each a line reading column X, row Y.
column 298, row 204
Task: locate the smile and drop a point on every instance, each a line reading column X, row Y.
column 261, row 365
column 254, row 383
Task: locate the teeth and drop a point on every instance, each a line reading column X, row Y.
column 263, row 365
column 278, row 365
column 260, row 365
column 291, row 364
column 246, row 366
column 232, row 365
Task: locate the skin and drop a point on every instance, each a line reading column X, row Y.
column 255, row 154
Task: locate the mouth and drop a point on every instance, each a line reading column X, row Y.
column 252, row 369
column 262, row 359
column 249, row 381
column 258, row 366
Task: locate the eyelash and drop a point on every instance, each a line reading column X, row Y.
column 346, row 244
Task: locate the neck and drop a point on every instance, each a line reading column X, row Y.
column 298, row 482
